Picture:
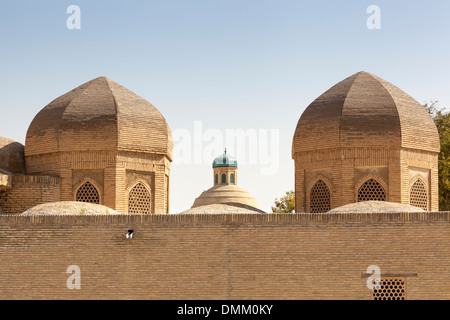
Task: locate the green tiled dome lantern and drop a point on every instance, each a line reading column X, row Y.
column 225, row 190
column 224, row 161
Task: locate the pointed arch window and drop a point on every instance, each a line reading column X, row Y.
column 88, row 193
column 216, row 179
column 418, row 195
column 139, row 200
column 371, row 190
column 320, row 200
column 232, row 178
column 224, row 178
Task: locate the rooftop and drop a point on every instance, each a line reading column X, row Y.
column 366, row 111
column 224, row 160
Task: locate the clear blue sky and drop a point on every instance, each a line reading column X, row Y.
column 230, row 64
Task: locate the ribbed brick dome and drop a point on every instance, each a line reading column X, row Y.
column 225, row 194
column 365, row 111
column 99, row 115
column 221, row 208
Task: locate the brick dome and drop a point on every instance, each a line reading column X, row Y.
column 223, row 208
column 365, row 111
column 11, row 156
column 376, row 207
column 225, row 189
column 69, row 208
column 365, row 139
column 225, row 194
column 99, row 115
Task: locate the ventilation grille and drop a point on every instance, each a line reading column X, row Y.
column 88, row 193
column 389, row 289
column 371, row 190
column 320, row 198
column 418, row 196
column 139, row 200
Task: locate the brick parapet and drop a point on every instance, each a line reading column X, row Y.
column 223, row 256
column 230, row 219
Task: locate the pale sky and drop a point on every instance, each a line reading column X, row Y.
column 216, row 67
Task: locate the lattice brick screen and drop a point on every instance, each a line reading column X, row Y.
column 88, row 193
column 320, row 198
column 418, row 196
column 139, row 199
column 371, row 190
column 389, row 289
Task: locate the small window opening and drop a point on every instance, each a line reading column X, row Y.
column 389, row 289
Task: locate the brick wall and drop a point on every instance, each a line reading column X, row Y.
column 347, row 168
column 27, row 192
column 110, row 171
column 267, row 256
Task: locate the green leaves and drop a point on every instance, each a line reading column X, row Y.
column 285, row 204
column 441, row 118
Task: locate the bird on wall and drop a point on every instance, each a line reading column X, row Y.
column 129, row 234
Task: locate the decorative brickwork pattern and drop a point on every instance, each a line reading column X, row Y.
column 102, row 115
column 419, row 195
column 88, row 193
column 320, row 198
column 371, row 190
column 364, row 110
column 97, row 130
column 389, row 289
column 365, row 126
column 139, row 200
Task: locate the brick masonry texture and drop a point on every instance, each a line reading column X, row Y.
column 365, row 111
column 12, row 156
column 362, row 128
column 231, row 256
column 365, row 128
column 103, row 133
column 99, row 115
column 28, row 191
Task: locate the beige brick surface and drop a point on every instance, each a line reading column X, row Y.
column 99, row 131
column 28, row 191
column 234, row 256
column 364, row 127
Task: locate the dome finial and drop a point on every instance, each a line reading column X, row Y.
column 225, row 150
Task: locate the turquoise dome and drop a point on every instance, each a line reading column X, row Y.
column 224, row 161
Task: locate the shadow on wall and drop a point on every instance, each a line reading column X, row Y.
column 12, row 158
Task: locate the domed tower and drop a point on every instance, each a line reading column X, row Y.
column 11, row 162
column 225, row 170
column 108, row 145
column 365, row 139
column 225, row 190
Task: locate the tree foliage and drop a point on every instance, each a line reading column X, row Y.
column 441, row 118
column 285, row 204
